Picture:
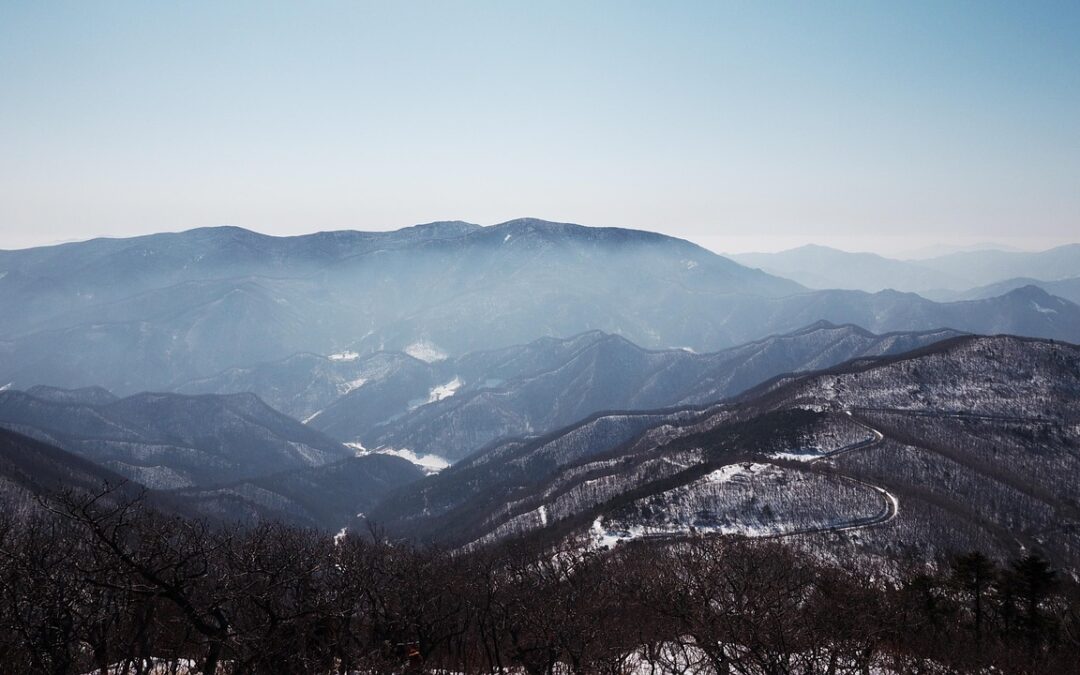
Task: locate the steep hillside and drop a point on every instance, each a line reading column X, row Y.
column 36, row 468
column 329, row 497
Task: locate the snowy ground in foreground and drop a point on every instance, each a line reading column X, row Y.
column 680, row 656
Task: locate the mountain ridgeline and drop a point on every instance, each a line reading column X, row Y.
column 950, row 275
column 453, row 407
column 156, row 312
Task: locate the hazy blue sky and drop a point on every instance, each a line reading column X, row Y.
column 740, row 125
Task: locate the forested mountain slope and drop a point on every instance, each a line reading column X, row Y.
column 969, row 443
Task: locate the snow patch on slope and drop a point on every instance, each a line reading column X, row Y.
column 426, row 351
column 798, row 455
column 727, row 473
column 346, row 387
column 444, row 390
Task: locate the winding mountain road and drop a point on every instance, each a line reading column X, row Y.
column 890, row 501
column 889, row 511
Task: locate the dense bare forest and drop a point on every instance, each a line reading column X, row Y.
column 105, row 584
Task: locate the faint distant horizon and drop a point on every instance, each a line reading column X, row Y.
column 891, row 246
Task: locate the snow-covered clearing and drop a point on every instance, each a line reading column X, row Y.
column 751, row 499
column 426, row 351
column 429, row 463
column 346, row 387
column 344, row 356
column 444, row 390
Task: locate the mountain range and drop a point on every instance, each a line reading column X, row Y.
column 154, row 313
column 529, row 395
column 1069, row 289
column 454, row 406
column 464, row 385
column 230, row 456
column 943, row 277
column 823, row 267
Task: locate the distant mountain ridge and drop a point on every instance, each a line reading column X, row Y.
column 228, row 458
column 821, row 267
column 453, row 407
column 941, row 277
column 153, row 313
column 987, row 267
column 608, row 372
column 1069, row 289
column 38, row 468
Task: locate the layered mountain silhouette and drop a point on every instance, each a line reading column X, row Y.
column 453, row 407
column 156, row 312
column 1069, row 289
column 980, row 268
column 594, row 383
column 823, row 267
column 947, row 276
column 607, row 372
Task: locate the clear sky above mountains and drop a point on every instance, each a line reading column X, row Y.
column 741, row 126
